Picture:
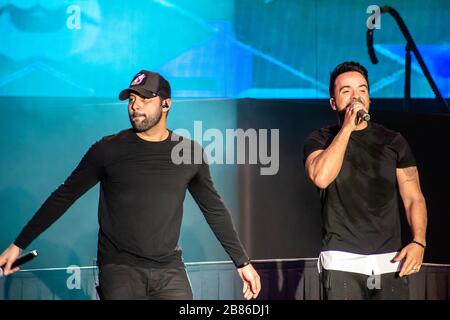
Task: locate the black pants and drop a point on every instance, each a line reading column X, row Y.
column 340, row 285
column 122, row 282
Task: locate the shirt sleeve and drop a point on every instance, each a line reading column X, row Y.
column 88, row 172
column 216, row 214
column 405, row 157
column 315, row 141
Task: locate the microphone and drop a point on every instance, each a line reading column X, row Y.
column 363, row 115
column 21, row 260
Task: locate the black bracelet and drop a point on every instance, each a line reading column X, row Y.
column 420, row 244
column 246, row 263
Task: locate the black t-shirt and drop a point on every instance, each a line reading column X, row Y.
column 360, row 207
column 141, row 200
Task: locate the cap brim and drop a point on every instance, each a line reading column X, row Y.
column 125, row 94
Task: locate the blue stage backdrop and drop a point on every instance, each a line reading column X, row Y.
column 42, row 141
column 206, row 48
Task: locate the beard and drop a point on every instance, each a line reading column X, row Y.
column 147, row 123
column 341, row 113
column 352, row 101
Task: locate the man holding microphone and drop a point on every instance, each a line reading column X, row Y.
column 358, row 166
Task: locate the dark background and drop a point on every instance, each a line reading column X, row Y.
column 282, row 212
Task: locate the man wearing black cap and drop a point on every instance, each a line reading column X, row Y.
column 140, row 207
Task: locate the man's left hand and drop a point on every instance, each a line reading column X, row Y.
column 251, row 280
column 413, row 257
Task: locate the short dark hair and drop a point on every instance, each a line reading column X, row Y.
column 347, row 66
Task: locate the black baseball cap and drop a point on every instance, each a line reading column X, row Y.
column 147, row 84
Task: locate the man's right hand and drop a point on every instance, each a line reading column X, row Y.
column 8, row 257
column 351, row 116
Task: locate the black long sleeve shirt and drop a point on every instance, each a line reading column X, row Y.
column 141, row 200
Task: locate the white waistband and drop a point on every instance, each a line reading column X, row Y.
column 351, row 262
